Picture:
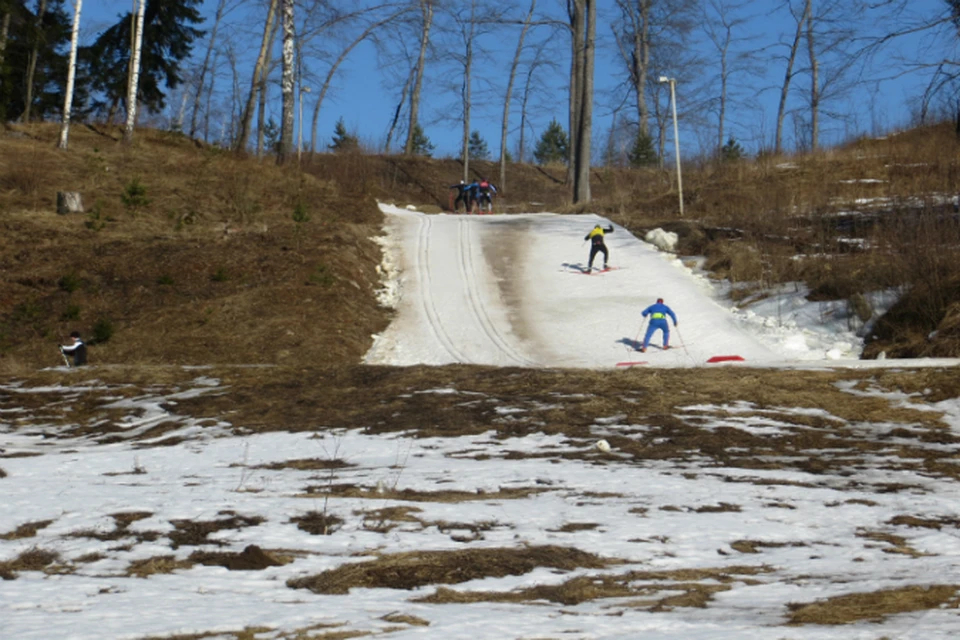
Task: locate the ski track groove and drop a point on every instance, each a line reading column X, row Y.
column 429, row 308
column 477, row 308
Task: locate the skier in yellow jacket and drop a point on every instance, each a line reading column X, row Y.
column 597, row 245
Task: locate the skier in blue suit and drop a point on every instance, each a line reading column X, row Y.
column 658, row 313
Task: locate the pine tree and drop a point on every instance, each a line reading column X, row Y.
column 421, row 143
column 643, row 153
column 168, row 37
column 732, row 151
column 552, row 146
column 343, row 141
column 477, row 147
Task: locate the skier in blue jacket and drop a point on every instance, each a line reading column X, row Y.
column 658, row 313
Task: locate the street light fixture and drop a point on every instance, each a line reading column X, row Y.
column 676, row 135
column 303, row 90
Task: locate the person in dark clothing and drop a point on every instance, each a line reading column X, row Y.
column 658, row 313
column 597, row 245
column 463, row 195
column 485, row 192
column 78, row 350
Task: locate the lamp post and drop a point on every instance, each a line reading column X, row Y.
column 303, row 90
column 676, row 135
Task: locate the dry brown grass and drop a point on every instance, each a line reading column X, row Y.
column 216, row 252
column 646, row 589
column 33, row 559
column 419, row 568
column 26, row 530
column 874, row 606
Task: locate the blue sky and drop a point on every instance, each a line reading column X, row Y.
column 364, row 98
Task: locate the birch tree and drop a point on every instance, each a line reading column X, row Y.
column 287, row 81
column 71, row 75
column 505, row 121
column 426, row 11
column 259, row 72
column 134, row 74
column 32, row 63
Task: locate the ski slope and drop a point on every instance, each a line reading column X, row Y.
column 509, row 290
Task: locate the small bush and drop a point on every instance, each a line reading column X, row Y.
column 72, row 312
column 134, row 197
column 322, row 276
column 69, row 283
column 95, row 219
column 165, row 280
column 220, row 275
column 102, row 331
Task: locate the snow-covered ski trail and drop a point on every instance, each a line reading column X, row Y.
column 478, row 308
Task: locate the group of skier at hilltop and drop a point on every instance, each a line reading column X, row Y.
column 476, row 196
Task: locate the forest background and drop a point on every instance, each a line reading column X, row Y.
column 786, row 75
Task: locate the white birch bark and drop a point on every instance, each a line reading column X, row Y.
column 287, row 81
column 134, row 75
column 71, row 76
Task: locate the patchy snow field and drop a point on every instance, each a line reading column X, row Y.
column 112, row 529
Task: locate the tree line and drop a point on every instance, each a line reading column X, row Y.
column 164, row 57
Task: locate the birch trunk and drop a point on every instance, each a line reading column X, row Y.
column 134, row 76
column 206, row 65
column 581, row 185
column 287, row 82
column 258, row 73
column 32, row 63
column 505, row 122
column 426, row 8
column 71, row 76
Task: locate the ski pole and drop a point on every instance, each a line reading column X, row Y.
column 636, row 341
column 66, row 360
column 682, row 341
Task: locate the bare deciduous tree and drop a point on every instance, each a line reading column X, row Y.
column 801, row 17
column 259, row 71
column 508, row 95
column 426, row 10
column 583, row 14
column 204, row 68
column 32, row 62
